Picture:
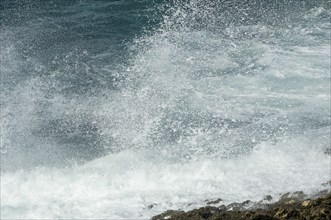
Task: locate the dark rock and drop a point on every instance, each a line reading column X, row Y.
column 327, row 151
column 267, row 198
column 151, row 206
column 222, row 208
column 234, row 206
column 263, row 217
column 327, row 183
column 212, row 202
column 288, row 207
column 285, row 196
column 238, row 206
column 170, row 214
column 320, row 194
column 247, row 202
column 293, row 214
column 299, row 195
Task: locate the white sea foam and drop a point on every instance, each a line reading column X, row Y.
column 125, row 184
column 204, row 111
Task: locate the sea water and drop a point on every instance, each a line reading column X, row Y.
column 125, row 109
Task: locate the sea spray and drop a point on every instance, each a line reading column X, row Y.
column 221, row 99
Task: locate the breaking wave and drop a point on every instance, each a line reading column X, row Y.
column 125, row 110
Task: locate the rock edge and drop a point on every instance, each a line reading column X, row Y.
column 288, row 207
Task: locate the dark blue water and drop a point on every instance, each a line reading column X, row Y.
column 49, row 31
column 82, row 48
column 86, row 41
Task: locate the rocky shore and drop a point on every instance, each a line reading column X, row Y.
column 290, row 206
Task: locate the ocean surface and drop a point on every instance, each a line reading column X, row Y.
column 122, row 109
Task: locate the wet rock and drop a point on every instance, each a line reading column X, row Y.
column 222, row 208
column 299, row 195
column 292, row 214
column 151, row 206
column 212, row 202
column 267, row 198
column 170, row 214
column 285, row 196
column 234, row 206
column 263, row 217
column 247, row 202
column 290, row 206
column 262, row 203
column 238, row 206
column 281, row 213
column 306, row 203
column 292, row 201
column 320, row 194
column 327, row 183
column 327, row 151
